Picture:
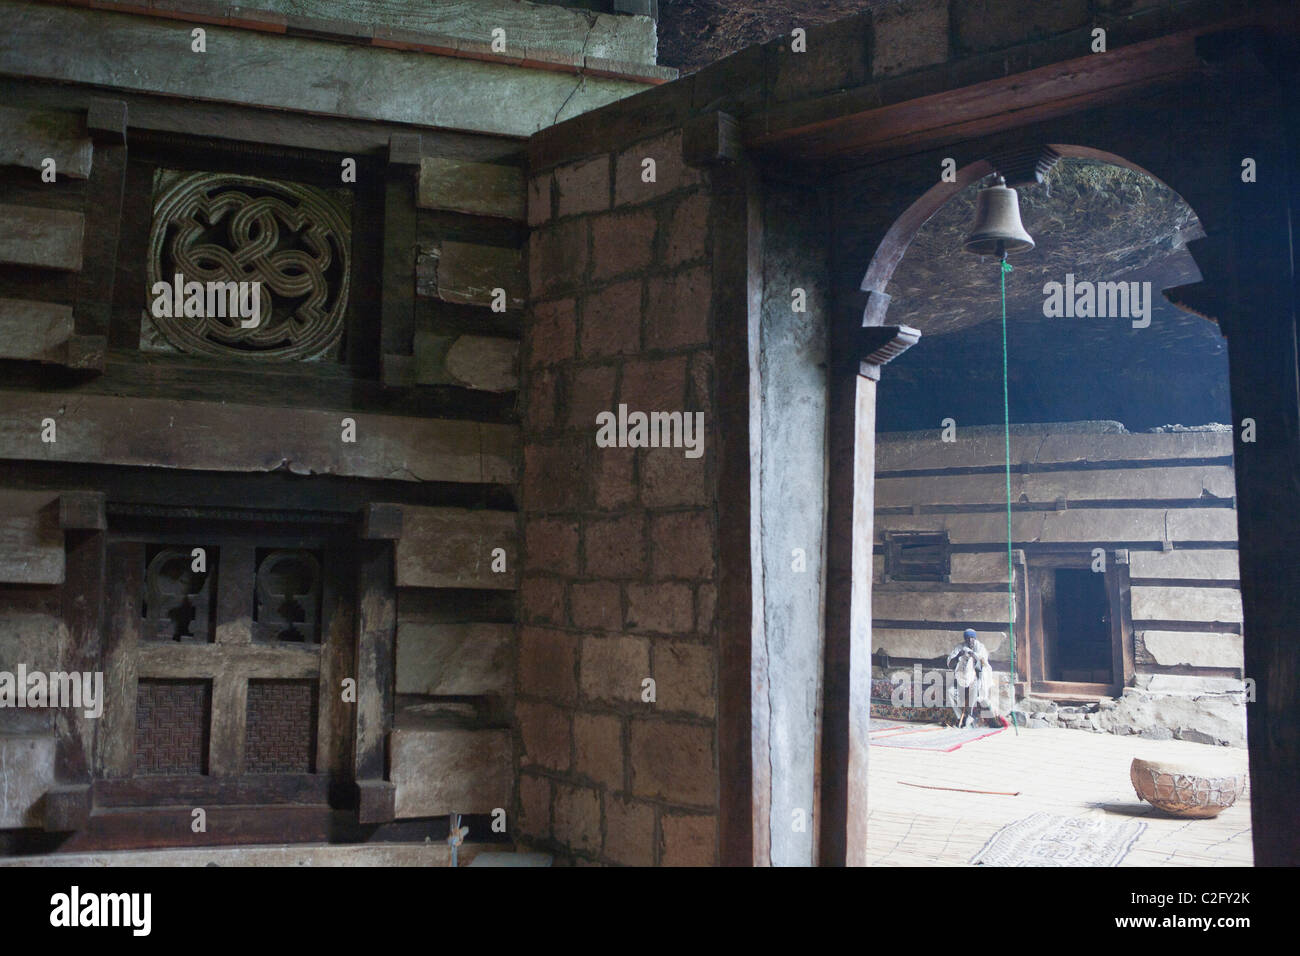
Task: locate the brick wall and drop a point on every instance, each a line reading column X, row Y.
column 619, row 543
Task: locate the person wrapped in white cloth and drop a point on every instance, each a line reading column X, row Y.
column 973, row 679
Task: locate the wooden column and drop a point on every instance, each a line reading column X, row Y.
column 1250, row 287
column 82, row 517
column 859, row 697
column 860, row 351
column 106, row 122
column 376, row 636
column 397, row 336
column 737, row 294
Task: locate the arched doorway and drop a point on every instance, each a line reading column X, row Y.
column 1098, row 465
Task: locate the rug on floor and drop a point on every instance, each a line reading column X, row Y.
column 1045, row 839
column 925, row 736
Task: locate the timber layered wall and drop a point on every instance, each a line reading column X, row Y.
column 1159, row 507
column 398, row 436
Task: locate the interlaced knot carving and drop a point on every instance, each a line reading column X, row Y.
column 211, row 227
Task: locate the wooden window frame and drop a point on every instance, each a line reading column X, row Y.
column 230, row 660
column 894, row 541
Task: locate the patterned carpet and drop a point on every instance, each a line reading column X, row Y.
column 1045, row 839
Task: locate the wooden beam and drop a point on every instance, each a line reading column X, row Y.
column 163, row 660
column 40, row 237
column 961, row 100
column 299, row 74
column 1168, row 482
column 465, row 26
column 917, row 452
column 1109, row 527
column 165, row 433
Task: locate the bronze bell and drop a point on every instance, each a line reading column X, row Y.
column 997, row 223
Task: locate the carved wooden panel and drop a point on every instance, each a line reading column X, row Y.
column 287, row 607
column 172, row 718
column 178, row 599
column 216, row 229
column 281, row 727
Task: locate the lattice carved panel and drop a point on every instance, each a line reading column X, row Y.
column 216, row 228
column 172, row 719
column 281, row 727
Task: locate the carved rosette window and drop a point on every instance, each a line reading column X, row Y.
column 215, row 229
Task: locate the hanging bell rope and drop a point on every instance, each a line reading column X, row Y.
column 999, row 231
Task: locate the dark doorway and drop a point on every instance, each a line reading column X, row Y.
column 1083, row 633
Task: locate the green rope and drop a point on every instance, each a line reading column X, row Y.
column 1006, row 434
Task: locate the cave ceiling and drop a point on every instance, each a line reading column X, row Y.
column 1094, row 220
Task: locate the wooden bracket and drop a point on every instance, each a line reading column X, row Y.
column 877, row 345
column 711, row 139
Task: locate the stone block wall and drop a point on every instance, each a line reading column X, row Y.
column 619, row 543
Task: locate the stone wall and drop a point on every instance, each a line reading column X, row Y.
column 619, row 543
column 1158, row 506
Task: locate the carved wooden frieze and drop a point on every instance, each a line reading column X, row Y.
column 263, row 268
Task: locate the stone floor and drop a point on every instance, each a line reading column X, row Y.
column 1067, row 772
column 305, row 854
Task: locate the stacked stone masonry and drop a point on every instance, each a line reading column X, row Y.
column 619, row 543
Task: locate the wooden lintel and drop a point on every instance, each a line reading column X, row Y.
column 160, row 433
column 853, row 123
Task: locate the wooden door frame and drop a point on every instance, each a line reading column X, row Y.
column 1034, row 631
